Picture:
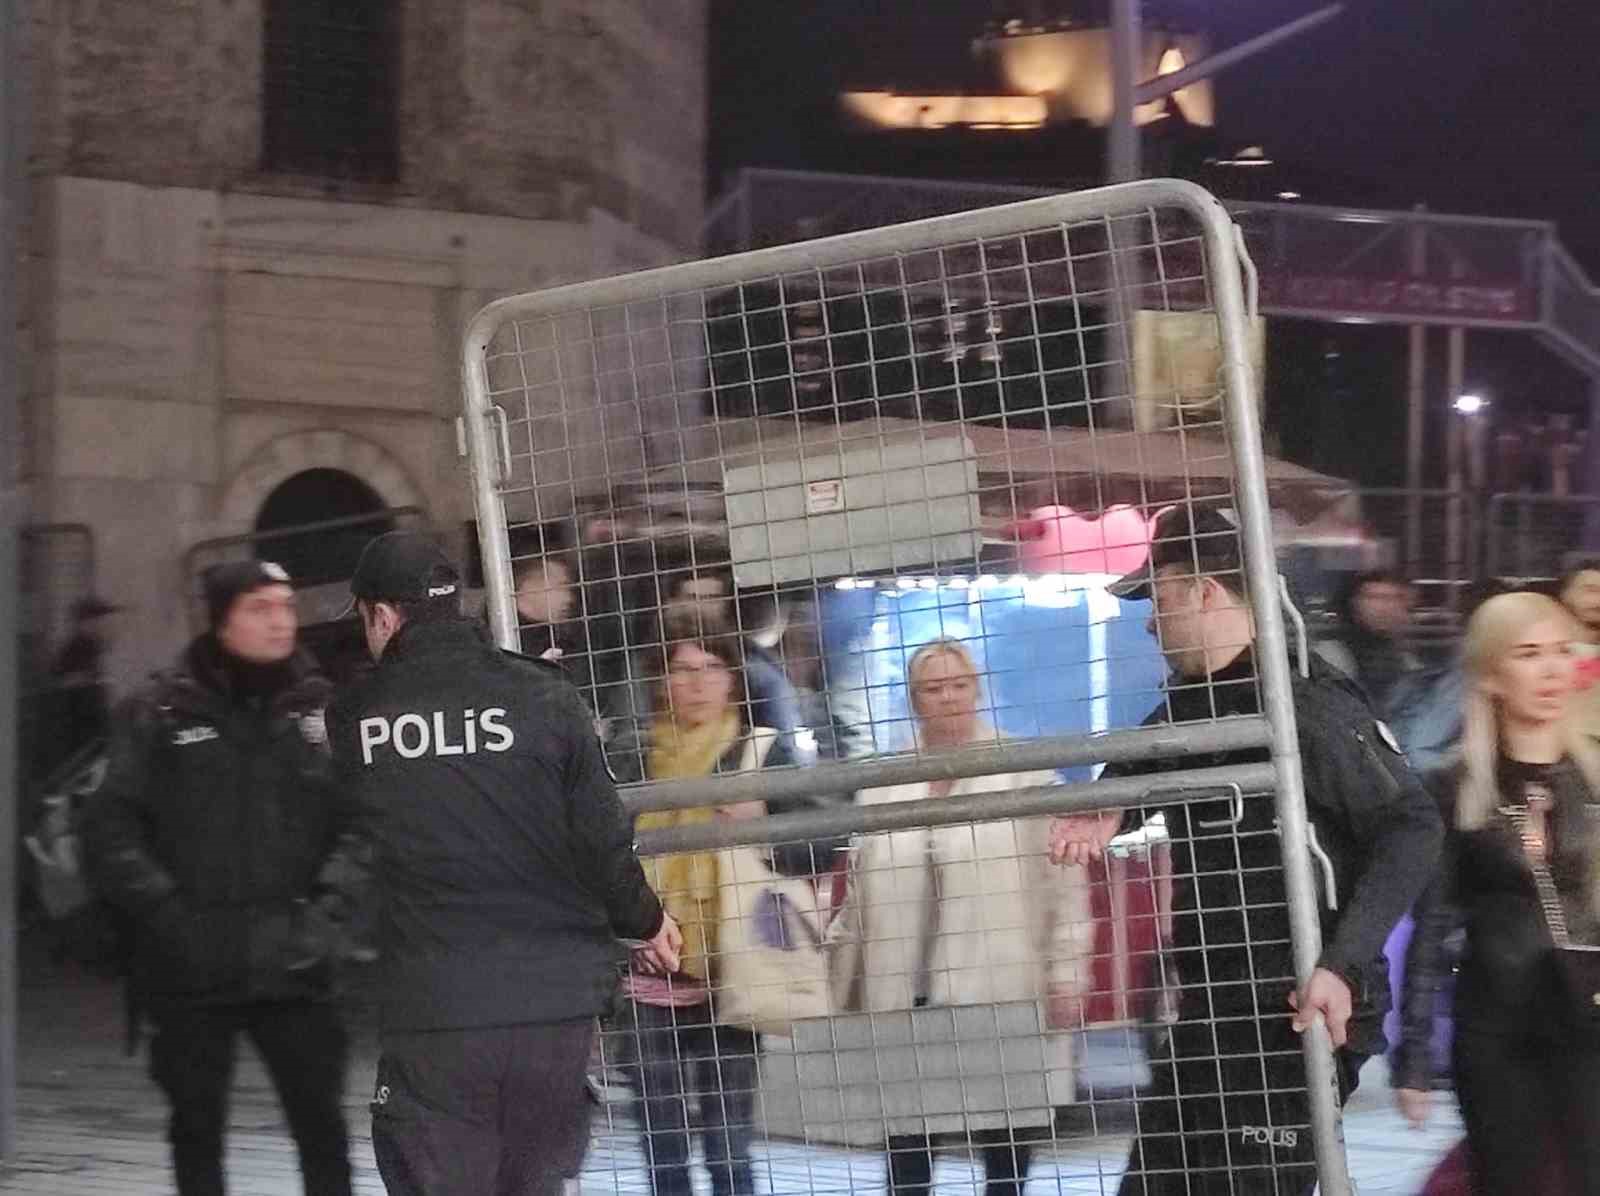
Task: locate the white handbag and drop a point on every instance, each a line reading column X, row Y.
column 772, row 962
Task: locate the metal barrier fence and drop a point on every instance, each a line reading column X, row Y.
column 852, row 732
column 1536, row 537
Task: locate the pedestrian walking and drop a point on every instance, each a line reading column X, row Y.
column 1522, row 864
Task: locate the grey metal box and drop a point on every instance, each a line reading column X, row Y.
column 863, row 503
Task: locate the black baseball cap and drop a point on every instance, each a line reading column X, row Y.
column 403, row 567
column 1197, row 536
column 227, row 582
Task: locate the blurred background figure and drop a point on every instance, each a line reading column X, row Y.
column 1369, row 646
column 964, row 916
column 78, row 706
column 1520, row 869
column 549, row 614
column 1580, row 594
column 774, row 700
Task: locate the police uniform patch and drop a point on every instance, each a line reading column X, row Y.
column 314, row 728
column 1389, row 741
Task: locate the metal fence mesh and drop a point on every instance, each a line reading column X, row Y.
column 1537, row 538
column 824, row 535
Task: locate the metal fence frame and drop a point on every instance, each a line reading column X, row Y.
column 1228, row 269
column 1506, row 550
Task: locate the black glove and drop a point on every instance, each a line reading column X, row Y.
column 315, row 936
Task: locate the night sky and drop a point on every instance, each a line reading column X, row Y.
column 1475, row 106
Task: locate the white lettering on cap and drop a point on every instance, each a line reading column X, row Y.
column 440, row 591
column 275, row 571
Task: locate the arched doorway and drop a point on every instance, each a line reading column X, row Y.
column 326, row 516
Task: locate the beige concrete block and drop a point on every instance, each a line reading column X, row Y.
column 329, row 340
column 134, row 440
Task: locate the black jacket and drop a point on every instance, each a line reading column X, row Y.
column 1377, row 843
column 504, row 862
column 216, row 830
column 1507, row 982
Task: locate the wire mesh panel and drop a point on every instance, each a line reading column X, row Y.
column 826, row 536
column 1540, row 537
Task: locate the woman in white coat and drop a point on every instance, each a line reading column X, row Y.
column 969, row 916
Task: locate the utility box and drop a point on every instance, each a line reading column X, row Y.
column 862, row 503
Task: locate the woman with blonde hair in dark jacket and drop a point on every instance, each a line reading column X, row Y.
column 1521, row 874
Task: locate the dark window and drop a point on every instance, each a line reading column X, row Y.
column 330, row 83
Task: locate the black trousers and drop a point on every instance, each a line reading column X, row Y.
column 1005, row 1163
column 490, row 1111
column 1531, row 1106
column 1228, row 1114
column 305, row 1049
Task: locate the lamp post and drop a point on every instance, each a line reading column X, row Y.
column 1470, row 422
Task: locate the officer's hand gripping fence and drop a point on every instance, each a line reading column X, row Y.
column 823, row 534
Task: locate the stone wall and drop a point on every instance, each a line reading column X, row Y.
column 200, row 330
column 198, row 348
column 537, row 109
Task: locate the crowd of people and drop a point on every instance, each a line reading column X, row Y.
column 248, row 812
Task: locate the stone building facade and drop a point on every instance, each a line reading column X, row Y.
column 235, row 278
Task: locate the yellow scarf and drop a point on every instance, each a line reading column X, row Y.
column 687, row 883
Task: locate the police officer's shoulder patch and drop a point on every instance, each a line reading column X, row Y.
column 1388, row 737
column 314, row 727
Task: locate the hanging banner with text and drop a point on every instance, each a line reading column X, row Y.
column 1398, row 300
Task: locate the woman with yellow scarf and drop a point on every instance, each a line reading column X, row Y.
column 674, row 1052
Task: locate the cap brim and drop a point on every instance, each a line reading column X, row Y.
column 1137, row 585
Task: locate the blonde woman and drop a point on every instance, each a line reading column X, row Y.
column 1525, row 821
column 968, row 915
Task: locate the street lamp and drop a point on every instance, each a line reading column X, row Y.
column 1470, row 404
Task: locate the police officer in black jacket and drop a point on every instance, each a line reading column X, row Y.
column 1228, row 1108
column 217, row 833
column 507, row 875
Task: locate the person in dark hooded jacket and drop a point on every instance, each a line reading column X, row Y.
column 1368, row 648
column 217, row 835
column 1521, row 876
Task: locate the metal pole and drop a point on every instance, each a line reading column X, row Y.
column 1477, row 467
column 1591, row 468
column 1123, row 166
column 1453, row 435
column 13, row 183
column 1122, row 159
column 1162, row 86
column 1272, row 663
column 1416, row 408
